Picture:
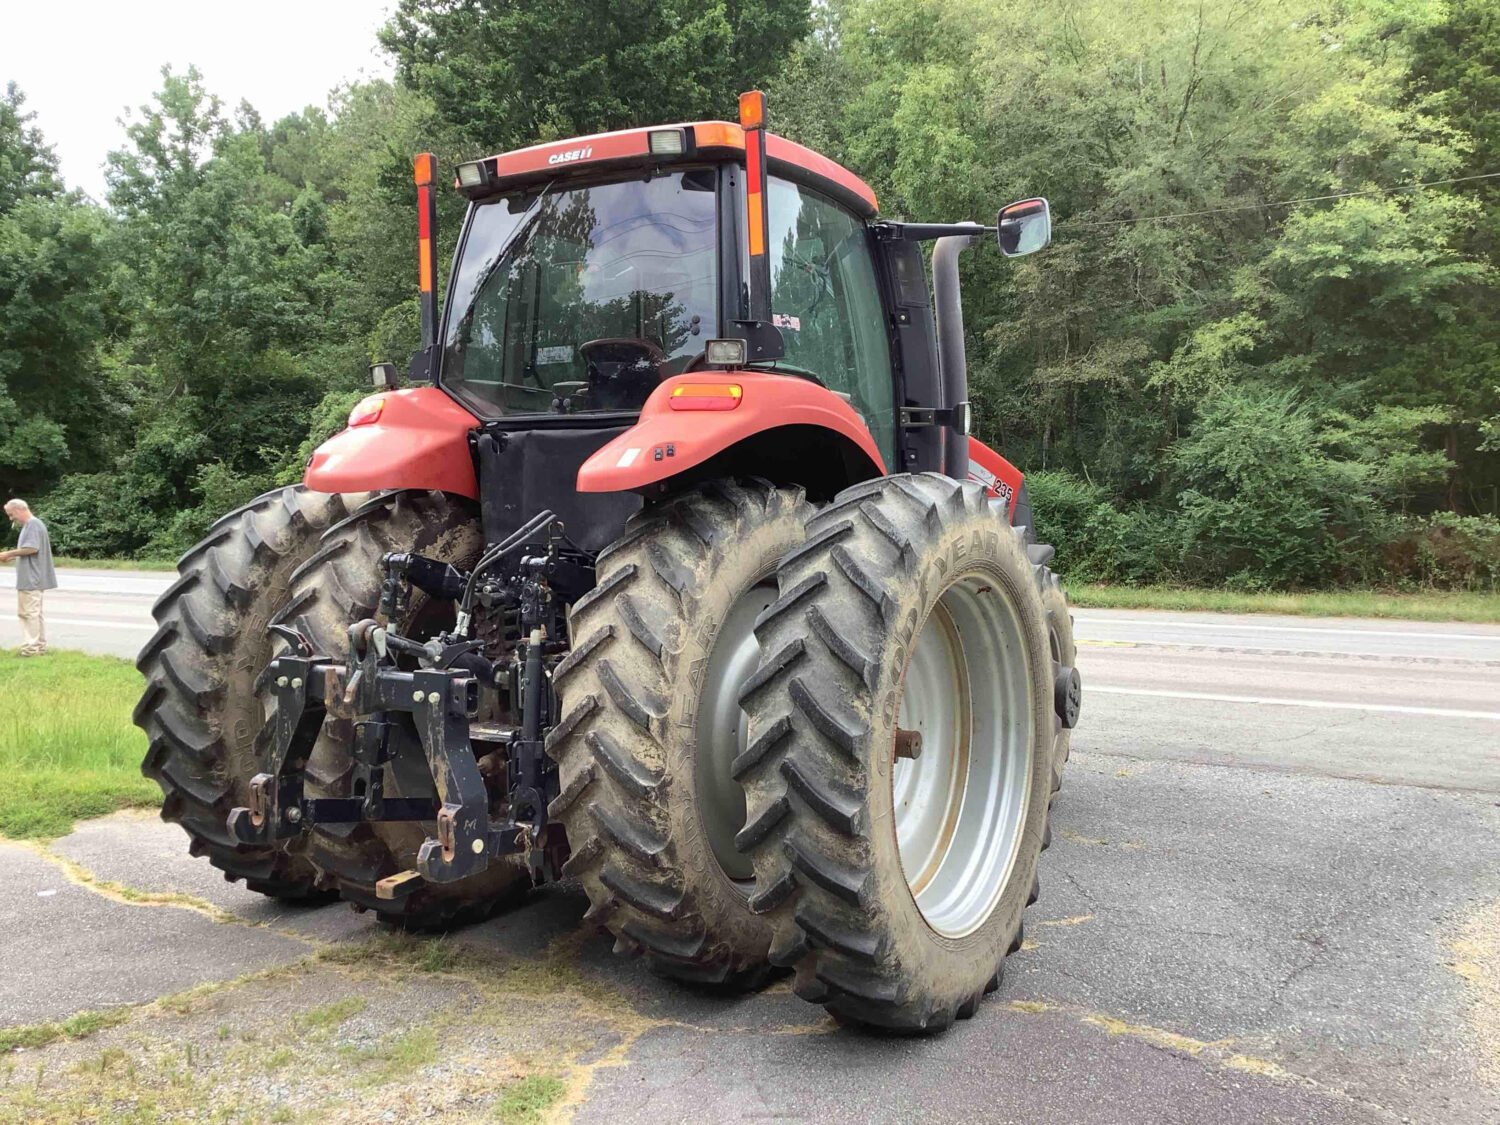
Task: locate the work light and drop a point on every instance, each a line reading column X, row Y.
column 668, row 142
column 725, row 353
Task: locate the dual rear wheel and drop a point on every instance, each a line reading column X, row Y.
column 858, row 791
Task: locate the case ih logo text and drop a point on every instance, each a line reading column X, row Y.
column 571, row 155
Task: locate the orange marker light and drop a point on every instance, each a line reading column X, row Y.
column 424, row 169
column 424, row 264
column 705, row 396
column 752, row 109
column 754, row 202
column 366, row 411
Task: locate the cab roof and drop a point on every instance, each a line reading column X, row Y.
column 700, row 140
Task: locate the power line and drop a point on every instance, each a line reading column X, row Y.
column 1282, row 203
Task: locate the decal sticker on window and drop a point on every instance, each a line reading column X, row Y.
column 784, row 320
column 562, row 353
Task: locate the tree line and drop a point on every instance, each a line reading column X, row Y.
column 1261, row 350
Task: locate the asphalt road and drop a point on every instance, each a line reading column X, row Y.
column 1273, row 895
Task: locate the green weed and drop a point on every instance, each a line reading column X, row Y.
column 527, row 1100
column 330, row 1015
column 74, row 1027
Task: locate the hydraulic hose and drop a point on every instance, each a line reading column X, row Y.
column 511, row 542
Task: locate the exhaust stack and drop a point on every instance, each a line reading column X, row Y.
column 953, row 364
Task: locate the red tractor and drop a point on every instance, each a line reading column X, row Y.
column 682, row 578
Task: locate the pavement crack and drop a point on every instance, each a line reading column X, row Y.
column 1079, row 887
column 1218, row 1052
column 80, row 876
column 1319, row 952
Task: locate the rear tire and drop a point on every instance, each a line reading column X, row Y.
column 912, row 604
column 203, row 707
column 336, row 587
column 650, row 728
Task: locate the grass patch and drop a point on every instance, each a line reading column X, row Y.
column 74, row 1027
column 528, row 1100
column 398, row 1056
column 1437, row 605
column 114, row 564
column 68, row 749
column 326, row 1016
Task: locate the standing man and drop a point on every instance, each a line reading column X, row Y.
column 34, row 573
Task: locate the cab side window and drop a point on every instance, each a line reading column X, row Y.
column 825, row 298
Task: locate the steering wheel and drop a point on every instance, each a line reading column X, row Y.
column 622, row 371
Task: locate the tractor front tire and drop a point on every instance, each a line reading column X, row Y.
column 899, row 761
column 204, row 704
column 650, row 726
column 336, row 587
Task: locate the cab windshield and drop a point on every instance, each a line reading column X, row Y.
column 583, row 299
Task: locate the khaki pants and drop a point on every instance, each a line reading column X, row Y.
column 29, row 610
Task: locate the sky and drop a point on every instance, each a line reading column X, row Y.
column 81, row 63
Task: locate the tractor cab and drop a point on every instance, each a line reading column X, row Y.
column 606, row 290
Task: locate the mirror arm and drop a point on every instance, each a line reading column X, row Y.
column 926, row 232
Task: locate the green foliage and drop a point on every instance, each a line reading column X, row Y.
column 28, row 166
column 1096, row 541
column 508, row 74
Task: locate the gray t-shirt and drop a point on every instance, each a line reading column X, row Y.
column 34, row 572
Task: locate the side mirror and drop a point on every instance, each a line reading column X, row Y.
column 1024, row 227
column 383, row 375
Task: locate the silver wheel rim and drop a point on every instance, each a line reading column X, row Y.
column 722, row 731
column 961, row 805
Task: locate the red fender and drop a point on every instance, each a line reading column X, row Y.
column 417, row 437
column 996, row 473
column 666, row 441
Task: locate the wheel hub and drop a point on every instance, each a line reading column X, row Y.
column 961, row 804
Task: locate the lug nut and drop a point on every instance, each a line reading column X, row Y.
column 416, row 697
column 434, row 699
column 293, row 815
column 281, row 681
column 477, row 847
column 297, row 682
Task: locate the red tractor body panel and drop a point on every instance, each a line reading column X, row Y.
column 996, row 473
column 417, row 438
column 667, row 440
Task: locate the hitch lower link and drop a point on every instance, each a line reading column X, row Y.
column 441, row 703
